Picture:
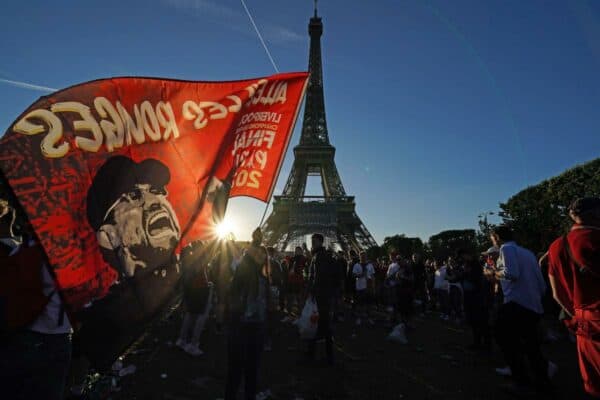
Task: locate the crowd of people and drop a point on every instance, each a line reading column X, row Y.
column 501, row 294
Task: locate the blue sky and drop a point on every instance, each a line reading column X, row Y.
column 439, row 110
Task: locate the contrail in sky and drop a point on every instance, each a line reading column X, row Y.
column 260, row 36
column 26, row 85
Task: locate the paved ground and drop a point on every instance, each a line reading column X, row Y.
column 434, row 365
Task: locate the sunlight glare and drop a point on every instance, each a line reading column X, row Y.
column 224, row 229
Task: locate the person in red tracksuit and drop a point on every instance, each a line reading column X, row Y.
column 574, row 272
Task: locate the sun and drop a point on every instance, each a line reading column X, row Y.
column 225, row 229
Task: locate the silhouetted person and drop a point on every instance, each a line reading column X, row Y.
column 476, row 306
column 248, row 298
column 518, row 318
column 324, row 283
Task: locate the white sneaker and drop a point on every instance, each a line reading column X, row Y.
column 193, row 350
column 552, row 369
column 358, row 322
column 181, row 344
column 504, row 371
column 285, row 319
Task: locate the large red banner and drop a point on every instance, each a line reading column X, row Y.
column 117, row 174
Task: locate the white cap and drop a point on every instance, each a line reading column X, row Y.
column 491, row 250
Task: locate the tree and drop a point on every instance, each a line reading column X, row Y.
column 403, row 245
column 483, row 234
column 375, row 252
column 538, row 214
column 447, row 243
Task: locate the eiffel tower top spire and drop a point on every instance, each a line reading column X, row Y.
column 314, row 126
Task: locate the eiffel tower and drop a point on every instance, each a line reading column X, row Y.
column 295, row 214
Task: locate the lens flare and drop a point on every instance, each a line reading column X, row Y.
column 224, row 229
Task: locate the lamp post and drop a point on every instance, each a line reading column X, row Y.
column 484, row 225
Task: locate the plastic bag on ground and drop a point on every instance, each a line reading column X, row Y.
column 309, row 319
column 398, row 334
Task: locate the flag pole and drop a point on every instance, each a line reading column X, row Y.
column 265, row 213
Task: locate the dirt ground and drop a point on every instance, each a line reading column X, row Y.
column 434, row 365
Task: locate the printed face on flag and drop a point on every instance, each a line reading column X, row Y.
column 136, row 225
column 117, row 175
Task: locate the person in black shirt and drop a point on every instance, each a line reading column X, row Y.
column 323, row 283
column 295, row 287
column 405, row 291
column 454, row 276
column 418, row 267
column 278, row 276
column 353, row 259
column 247, row 315
column 476, row 307
column 341, row 265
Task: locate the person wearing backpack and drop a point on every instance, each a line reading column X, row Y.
column 574, row 273
column 35, row 330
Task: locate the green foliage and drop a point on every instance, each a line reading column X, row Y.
column 538, row 214
column 375, row 252
column 447, row 243
column 403, row 245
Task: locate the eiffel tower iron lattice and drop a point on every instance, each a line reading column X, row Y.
column 295, row 214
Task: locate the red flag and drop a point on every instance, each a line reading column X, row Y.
column 116, row 174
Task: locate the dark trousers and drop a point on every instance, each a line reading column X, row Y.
column 244, row 347
column 282, row 296
column 442, row 299
column 421, row 294
column 477, row 316
column 518, row 337
column 324, row 326
column 455, row 299
column 34, row 365
column 404, row 302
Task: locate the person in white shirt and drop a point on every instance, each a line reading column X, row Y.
column 393, row 269
column 391, row 282
column 364, row 273
column 518, row 318
column 440, row 288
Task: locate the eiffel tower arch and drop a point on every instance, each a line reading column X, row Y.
column 333, row 214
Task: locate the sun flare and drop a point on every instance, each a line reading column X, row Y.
column 225, row 228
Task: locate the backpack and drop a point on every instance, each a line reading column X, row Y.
column 21, row 288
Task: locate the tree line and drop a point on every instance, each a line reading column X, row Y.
column 537, row 214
